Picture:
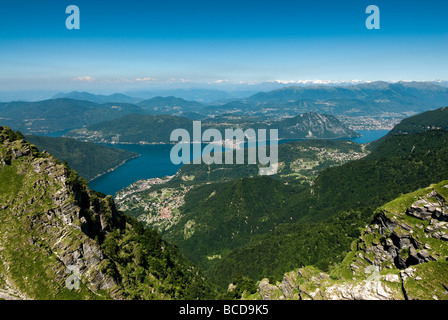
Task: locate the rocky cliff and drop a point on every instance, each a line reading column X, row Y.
column 401, row 255
column 60, row 240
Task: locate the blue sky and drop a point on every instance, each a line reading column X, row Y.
column 123, row 45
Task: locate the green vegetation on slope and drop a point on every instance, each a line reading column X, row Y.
column 402, row 254
column 136, row 128
column 148, row 267
column 50, row 221
column 429, row 120
column 58, row 114
column 289, row 246
column 356, row 187
column 229, row 215
column 88, row 159
column 426, row 121
column 133, row 128
column 299, row 162
column 385, row 173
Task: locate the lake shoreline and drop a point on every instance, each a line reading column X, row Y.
column 114, row 168
column 154, row 162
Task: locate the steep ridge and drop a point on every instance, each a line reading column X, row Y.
column 313, row 125
column 56, row 235
column 427, row 121
column 89, row 160
column 402, row 254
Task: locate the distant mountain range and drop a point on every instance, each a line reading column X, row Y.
column 169, row 105
column 79, row 109
column 202, row 95
column 98, row 98
column 59, row 114
column 373, row 94
column 219, row 91
column 362, row 99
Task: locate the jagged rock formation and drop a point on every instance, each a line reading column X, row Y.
column 401, row 255
column 60, row 240
column 47, row 210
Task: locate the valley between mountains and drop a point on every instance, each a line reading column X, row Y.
column 309, row 214
column 338, row 220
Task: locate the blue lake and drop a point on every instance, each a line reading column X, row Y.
column 369, row 135
column 155, row 162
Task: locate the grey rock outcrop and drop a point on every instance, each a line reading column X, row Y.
column 400, row 255
column 61, row 215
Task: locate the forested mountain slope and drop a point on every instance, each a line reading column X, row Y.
column 56, row 234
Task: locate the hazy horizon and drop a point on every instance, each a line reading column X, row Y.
column 234, row 90
column 140, row 45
